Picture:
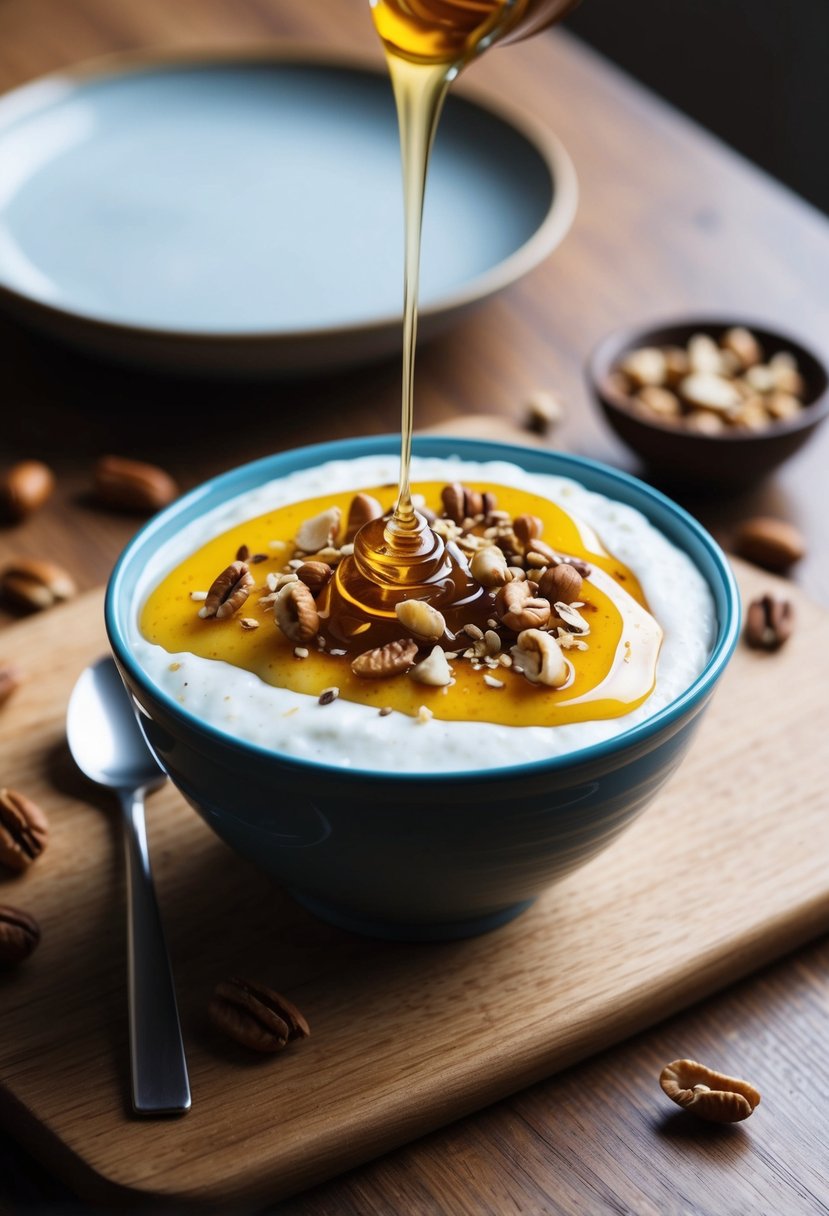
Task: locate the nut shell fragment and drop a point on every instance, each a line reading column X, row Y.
column 710, row 1095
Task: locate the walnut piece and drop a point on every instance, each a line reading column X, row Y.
column 389, row 660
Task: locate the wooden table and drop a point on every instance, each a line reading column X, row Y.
column 669, row 221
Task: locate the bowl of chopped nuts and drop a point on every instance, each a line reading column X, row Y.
column 711, row 402
column 426, row 771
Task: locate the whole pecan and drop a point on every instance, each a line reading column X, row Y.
column 388, row 660
column 256, row 1016
column 19, row 935
column 296, row 613
column 133, row 485
column 769, row 623
column 25, row 487
column 711, row 1095
column 228, row 592
column 24, row 830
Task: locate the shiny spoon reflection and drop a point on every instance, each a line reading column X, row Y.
column 108, row 747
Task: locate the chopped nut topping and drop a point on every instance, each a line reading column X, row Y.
column 539, row 657
column 421, row 619
column 424, row 714
column 242, row 553
column 491, row 682
column 198, row 596
column 572, row 618
column 385, row 711
column 301, row 652
column 433, row 670
column 248, row 623
column 328, row 695
column 318, row 531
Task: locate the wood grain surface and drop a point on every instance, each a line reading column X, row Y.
column 404, row 1038
column 669, row 221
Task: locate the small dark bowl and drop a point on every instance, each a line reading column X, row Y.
column 735, row 458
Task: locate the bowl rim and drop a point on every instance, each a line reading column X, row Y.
column 609, row 348
column 234, row 481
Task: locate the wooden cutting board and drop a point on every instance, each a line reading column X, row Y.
column 727, row 870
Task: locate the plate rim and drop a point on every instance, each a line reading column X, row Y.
column 17, row 101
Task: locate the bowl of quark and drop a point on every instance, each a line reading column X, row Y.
column 414, row 855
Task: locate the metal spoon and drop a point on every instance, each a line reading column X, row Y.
column 107, row 745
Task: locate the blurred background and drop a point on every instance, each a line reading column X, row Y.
column 753, row 71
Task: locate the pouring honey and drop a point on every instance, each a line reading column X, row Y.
column 427, row 44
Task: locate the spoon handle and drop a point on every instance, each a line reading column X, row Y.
column 160, row 1084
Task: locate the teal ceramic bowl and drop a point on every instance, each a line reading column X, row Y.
column 418, row 856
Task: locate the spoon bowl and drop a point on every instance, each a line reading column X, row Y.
column 103, row 733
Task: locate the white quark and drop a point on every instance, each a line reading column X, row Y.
column 355, row 736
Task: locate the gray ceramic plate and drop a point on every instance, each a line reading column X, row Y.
column 244, row 213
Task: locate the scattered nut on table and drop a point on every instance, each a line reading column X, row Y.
column 35, row 583
column 543, row 411
column 24, row 830
column 710, row 1095
column 25, row 487
column 133, row 485
column 769, row 542
column 256, row 1016
column 19, row 935
column 769, row 623
column 710, row 386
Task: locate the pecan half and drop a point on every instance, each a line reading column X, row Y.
column 256, row 1016
column 769, row 623
column 24, row 830
column 36, row 583
column 296, row 613
column 389, row 660
column 132, row 485
column 362, row 509
column 227, row 592
column 19, row 935
column 711, row 1095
